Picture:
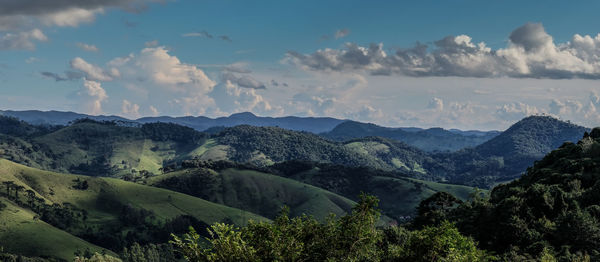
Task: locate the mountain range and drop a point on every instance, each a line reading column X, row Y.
column 432, row 139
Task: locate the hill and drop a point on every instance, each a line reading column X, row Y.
column 433, row 139
column 199, row 123
column 257, row 192
column 399, row 195
column 109, row 213
column 552, row 209
column 508, row 155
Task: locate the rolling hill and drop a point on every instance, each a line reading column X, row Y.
column 107, row 204
column 430, row 140
column 508, row 155
column 257, row 192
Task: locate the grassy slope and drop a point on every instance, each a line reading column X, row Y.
column 56, row 188
column 399, row 196
column 21, row 234
column 265, row 194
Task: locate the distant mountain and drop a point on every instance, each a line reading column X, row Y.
column 432, row 139
column 508, row 155
column 37, row 117
column 200, row 123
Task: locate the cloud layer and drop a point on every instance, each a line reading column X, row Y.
column 530, row 53
column 21, row 20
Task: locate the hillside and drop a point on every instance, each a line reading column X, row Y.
column 430, row 140
column 257, row 192
column 553, row 208
column 399, row 196
column 199, row 123
column 508, row 155
column 102, row 211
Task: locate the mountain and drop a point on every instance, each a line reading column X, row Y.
column 65, row 213
column 552, row 209
column 37, row 117
column 200, row 123
column 508, row 155
column 132, row 152
column 433, row 139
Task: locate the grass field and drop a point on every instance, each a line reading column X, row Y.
column 266, row 194
column 22, row 234
column 57, row 188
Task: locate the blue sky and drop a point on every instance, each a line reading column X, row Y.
column 486, row 65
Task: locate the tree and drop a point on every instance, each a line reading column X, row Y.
column 30, row 198
column 8, row 185
column 17, row 188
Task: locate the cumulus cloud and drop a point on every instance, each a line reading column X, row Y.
column 130, row 109
column 22, row 40
column 87, row 47
column 238, row 67
column 92, row 96
column 243, row 81
column 436, row 104
column 157, row 77
column 530, row 53
column 583, row 111
column 153, row 111
column 516, row 111
column 231, row 98
column 21, row 20
column 93, row 72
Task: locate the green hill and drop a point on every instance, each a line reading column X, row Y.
column 254, row 191
column 430, row 140
column 399, row 196
column 508, row 155
column 112, row 208
column 553, row 208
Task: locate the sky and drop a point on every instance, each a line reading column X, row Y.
column 453, row 64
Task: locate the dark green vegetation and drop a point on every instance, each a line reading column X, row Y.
column 306, row 187
column 113, row 149
column 166, row 177
column 506, row 156
column 552, row 209
column 430, row 140
column 353, row 237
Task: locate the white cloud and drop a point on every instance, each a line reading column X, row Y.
column 153, row 111
column 516, row 111
column 130, row 109
column 92, row 96
column 93, row 72
column 436, row 104
column 22, row 20
column 243, row 81
column 22, row 40
column 530, row 53
column 87, row 47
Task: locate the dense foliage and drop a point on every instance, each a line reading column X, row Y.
column 553, row 209
column 430, row 140
column 353, row 237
